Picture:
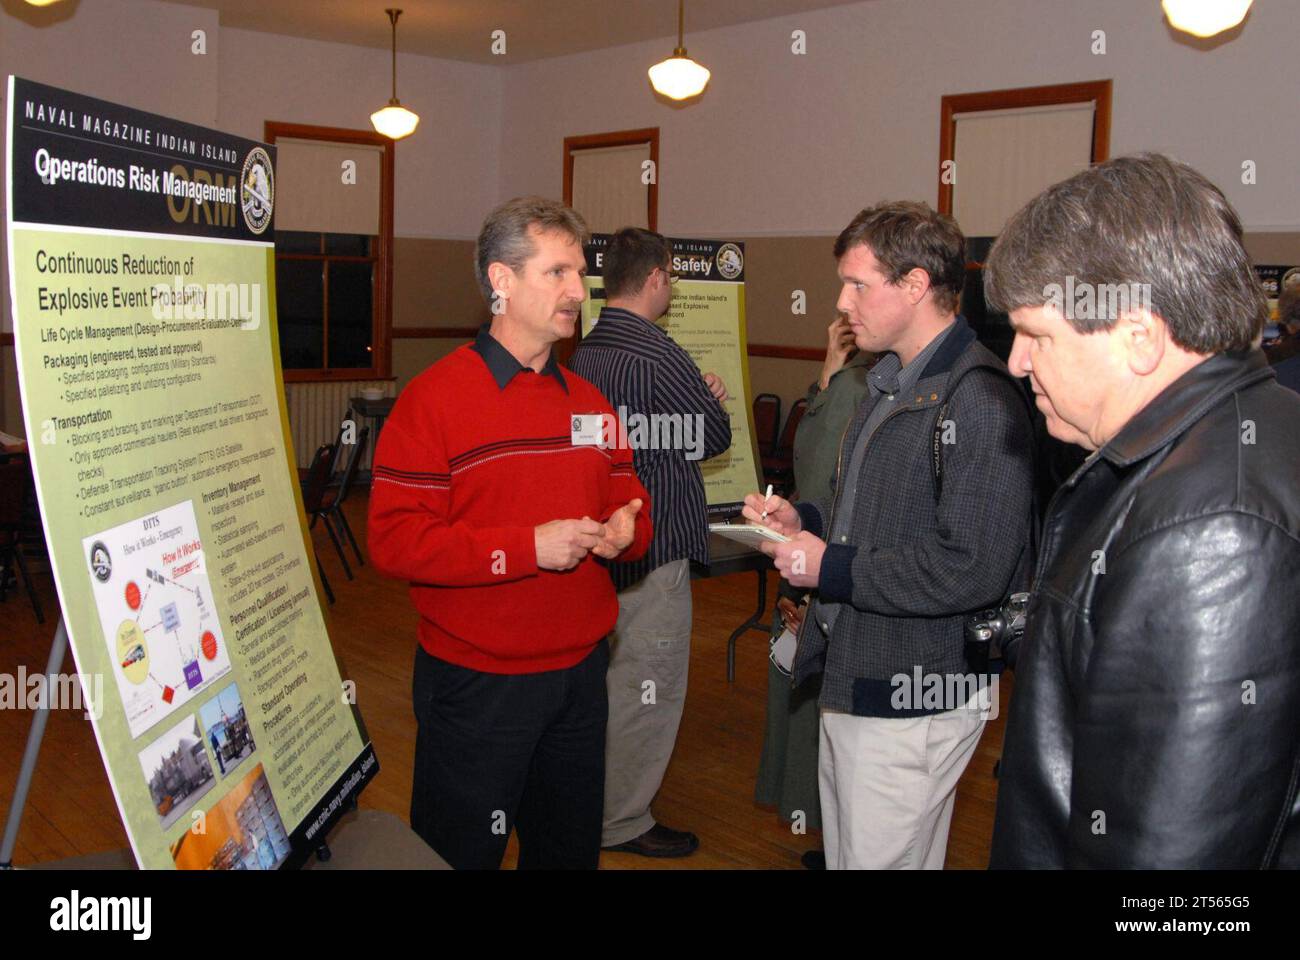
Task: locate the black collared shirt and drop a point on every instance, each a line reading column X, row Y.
column 503, row 366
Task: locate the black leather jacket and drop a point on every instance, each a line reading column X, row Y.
column 1155, row 719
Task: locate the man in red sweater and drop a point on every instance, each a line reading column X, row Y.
column 493, row 495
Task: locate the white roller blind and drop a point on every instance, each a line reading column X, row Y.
column 1007, row 157
column 607, row 187
column 310, row 194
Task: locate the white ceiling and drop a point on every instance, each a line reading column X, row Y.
column 462, row 29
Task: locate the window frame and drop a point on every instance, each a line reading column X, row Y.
column 618, row 138
column 381, row 353
column 1096, row 92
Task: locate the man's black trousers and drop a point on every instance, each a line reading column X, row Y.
column 501, row 751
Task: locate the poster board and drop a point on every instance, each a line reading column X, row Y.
column 707, row 319
column 1274, row 278
column 142, row 269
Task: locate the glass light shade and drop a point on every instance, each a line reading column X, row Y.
column 41, row 3
column 394, row 121
column 1205, row 18
column 679, row 78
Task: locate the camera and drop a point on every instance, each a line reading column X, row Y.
column 991, row 632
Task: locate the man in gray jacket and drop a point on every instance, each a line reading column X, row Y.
column 929, row 523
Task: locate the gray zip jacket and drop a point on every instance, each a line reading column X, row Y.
column 923, row 552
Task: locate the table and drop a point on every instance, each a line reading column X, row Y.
column 378, row 411
column 728, row 556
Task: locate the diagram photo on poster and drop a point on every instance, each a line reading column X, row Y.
column 156, row 608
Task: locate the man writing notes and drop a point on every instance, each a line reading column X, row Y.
column 494, row 495
column 929, row 523
column 651, row 380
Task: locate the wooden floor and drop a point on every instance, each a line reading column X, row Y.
column 709, row 787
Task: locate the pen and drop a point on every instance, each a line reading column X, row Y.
column 766, row 497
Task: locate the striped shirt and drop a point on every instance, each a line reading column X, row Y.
column 672, row 422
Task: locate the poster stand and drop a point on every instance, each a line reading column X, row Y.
column 58, row 649
column 363, row 840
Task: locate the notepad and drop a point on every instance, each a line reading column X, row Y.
column 750, row 533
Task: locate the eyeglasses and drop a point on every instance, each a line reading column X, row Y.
column 672, row 277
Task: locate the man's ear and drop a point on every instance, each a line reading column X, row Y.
column 502, row 278
column 1144, row 338
column 916, row 283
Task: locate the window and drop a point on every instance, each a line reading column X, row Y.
column 998, row 150
column 333, row 262
column 605, row 178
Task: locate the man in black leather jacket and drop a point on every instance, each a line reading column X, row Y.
column 1156, row 715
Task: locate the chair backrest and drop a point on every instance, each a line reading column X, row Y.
column 348, row 418
column 318, row 476
column 767, row 421
column 350, row 470
column 15, row 474
column 792, row 425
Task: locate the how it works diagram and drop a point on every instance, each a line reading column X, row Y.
column 155, row 604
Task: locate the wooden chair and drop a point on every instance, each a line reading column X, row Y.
column 778, row 467
column 332, row 502
column 767, row 421
column 313, row 495
column 15, row 476
column 338, row 442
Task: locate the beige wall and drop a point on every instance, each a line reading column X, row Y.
column 81, row 48
column 788, row 379
column 780, row 151
column 1275, row 248
column 446, row 172
column 434, row 285
column 794, row 145
column 412, row 357
column 138, row 52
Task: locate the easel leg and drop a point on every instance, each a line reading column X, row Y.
column 58, row 648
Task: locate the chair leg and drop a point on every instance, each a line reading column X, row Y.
column 27, row 582
column 324, row 580
column 329, row 528
column 6, row 570
column 347, row 531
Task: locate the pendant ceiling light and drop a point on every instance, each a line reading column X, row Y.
column 394, row 120
column 679, row 77
column 1205, row 18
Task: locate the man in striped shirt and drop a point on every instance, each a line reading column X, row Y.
column 674, row 418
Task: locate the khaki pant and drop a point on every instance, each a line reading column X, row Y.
column 887, row 787
column 649, row 656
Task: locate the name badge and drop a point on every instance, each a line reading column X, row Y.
column 586, row 429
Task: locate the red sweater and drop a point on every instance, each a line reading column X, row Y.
column 463, row 472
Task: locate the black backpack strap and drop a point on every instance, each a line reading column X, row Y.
column 936, row 451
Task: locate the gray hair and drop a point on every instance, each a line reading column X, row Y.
column 1138, row 221
column 504, row 237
